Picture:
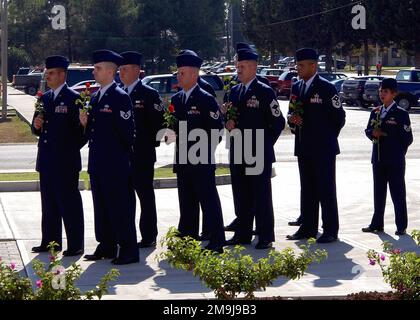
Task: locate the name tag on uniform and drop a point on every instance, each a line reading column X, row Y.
column 139, row 104
column 253, row 102
column 106, row 109
column 194, row 111
column 61, row 109
column 316, row 99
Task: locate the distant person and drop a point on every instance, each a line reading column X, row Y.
column 378, row 68
column 359, row 69
column 389, row 128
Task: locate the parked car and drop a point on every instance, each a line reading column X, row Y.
column 341, row 64
column 331, row 76
column 408, row 89
column 272, row 76
column 338, row 83
column 29, row 83
column 75, row 75
column 353, row 90
column 167, row 84
column 81, row 86
column 21, row 71
column 285, row 83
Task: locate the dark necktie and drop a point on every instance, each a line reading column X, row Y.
column 184, row 98
column 242, row 93
column 303, row 89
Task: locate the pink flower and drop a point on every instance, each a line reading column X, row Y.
column 39, row 94
column 396, row 251
column 372, row 262
column 12, row 266
column 39, row 284
column 382, row 257
column 52, row 258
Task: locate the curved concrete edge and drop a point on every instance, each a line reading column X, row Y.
column 27, row 186
column 162, row 183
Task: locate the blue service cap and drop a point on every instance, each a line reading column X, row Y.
column 389, row 83
column 107, row 56
column 131, row 57
column 57, row 62
column 188, row 58
column 243, row 45
column 306, row 54
column 247, row 54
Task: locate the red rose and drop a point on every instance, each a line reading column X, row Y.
column 87, row 85
column 39, row 94
column 293, row 97
column 171, row 108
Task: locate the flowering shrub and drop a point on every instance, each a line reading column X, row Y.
column 231, row 272
column 403, row 270
column 55, row 282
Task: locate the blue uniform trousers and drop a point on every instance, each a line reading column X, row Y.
column 61, row 200
column 394, row 175
column 143, row 175
column 197, row 186
column 318, row 187
column 254, row 198
column 114, row 207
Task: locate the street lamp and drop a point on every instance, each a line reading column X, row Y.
column 4, row 57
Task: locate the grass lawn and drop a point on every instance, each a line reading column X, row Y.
column 164, row 172
column 13, row 130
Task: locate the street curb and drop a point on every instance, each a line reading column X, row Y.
column 162, row 183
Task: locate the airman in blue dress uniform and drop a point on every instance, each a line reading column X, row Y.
column 196, row 109
column 58, row 161
column 110, row 131
column 257, row 110
column 148, row 116
column 235, row 80
column 317, row 124
column 389, row 127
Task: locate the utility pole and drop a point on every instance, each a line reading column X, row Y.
column 4, row 57
column 229, row 32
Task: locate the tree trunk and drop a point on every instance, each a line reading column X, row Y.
column 366, row 55
column 328, row 58
column 272, row 53
column 417, row 59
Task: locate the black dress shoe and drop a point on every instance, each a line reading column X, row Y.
column 296, row 223
column 298, row 236
column 231, row 228
column 326, row 239
column 263, row 245
column 218, row 249
column 372, row 230
column 146, row 244
column 96, row 257
column 204, row 237
column 400, row 232
column 236, row 241
column 40, row 249
column 72, row 253
column 121, row 261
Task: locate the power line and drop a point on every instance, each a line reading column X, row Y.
column 311, row 15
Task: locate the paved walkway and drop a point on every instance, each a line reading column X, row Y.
column 345, row 271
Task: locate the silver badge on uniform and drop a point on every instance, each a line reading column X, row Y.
column 158, row 107
column 125, row 115
column 275, row 108
column 214, row 115
column 336, row 102
column 407, row 128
